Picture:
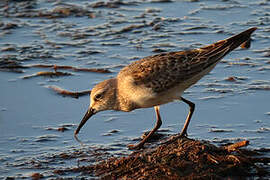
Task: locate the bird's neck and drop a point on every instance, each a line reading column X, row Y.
column 122, row 102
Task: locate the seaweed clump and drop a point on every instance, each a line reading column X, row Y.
column 183, row 158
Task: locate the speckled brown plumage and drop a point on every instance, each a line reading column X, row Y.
column 159, row 79
column 163, row 71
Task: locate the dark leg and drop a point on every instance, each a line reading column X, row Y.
column 191, row 110
column 157, row 126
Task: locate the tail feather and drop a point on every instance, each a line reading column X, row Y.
column 240, row 38
column 218, row 50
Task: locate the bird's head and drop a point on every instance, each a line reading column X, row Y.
column 103, row 97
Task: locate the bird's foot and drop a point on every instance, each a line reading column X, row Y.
column 135, row 146
column 183, row 134
column 154, row 137
column 177, row 136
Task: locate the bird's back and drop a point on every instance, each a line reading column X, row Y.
column 167, row 70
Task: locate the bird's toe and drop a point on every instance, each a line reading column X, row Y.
column 183, row 134
column 134, row 146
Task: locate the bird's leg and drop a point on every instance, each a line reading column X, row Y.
column 191, row 110
column 157, row 126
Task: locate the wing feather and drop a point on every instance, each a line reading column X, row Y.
column 167, row 70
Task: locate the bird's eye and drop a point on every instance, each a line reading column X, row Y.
column 98, row 97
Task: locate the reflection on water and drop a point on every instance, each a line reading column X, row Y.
column 36, row 125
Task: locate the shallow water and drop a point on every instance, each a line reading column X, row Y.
column 111, row 36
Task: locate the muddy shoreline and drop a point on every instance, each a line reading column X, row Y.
column 181, row 158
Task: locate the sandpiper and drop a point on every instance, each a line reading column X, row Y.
column 159, row 79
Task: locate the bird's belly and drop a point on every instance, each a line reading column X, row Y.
column 146, row 100
column 144, row 97
column 174, row 93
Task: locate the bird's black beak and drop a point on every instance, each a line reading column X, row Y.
column 90, row 112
